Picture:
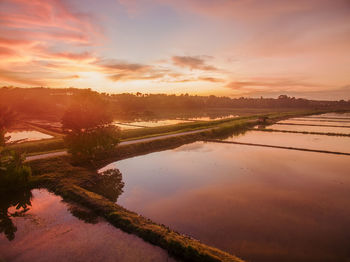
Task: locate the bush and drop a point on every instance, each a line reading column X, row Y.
column 13, row 174
column 89, row 144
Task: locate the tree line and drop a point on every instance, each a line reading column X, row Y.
column 50, row 104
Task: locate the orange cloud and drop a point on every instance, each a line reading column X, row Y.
column 19, row 78
column 274, row 86
column 10, row 42
column 77, row 57
column 124, row 71
column 7, row 52
column 211, row 79
column 192, row 62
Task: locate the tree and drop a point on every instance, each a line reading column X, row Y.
column 88, row 123
column 14, row 175
column 7, row 119
column 87, row 111
column 91, row 143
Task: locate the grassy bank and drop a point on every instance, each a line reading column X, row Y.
column 41, row 146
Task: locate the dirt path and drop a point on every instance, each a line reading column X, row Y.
column 63, row 153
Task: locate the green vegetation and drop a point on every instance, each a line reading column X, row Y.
column 93, row 142
column 41, row 146
column 90, row 132
column 13, row 174
column 7, row 119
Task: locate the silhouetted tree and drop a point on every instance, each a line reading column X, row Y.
column 87, row 111
column 88, row 123
column 7, row 119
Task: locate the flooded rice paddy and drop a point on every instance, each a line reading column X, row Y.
column 26, row 135
column 165, row 122
column 307, row 128
column 151, row 123
column 315, row 142
column 333, row 115
column 46, row 229
column 212, row 118
column 262, row 204
column 319, row 122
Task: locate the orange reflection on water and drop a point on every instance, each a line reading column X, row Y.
column 261, row 204
column 48, row 232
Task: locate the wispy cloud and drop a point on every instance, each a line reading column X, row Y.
column 192, row 62
column 211, row 79
column 109, row 43
column 268, row 86
column 49, row 17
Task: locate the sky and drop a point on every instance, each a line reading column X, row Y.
column 232, row 48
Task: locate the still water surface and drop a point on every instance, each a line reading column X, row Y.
column 320, row 129
column 23, row 136
column 262, row 204
column 330, row 115
column 315, row 122
column 48, row 231
column 316, row 142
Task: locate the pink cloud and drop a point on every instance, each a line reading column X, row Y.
column 192, row 62
column 53, row 18
column 7, row 52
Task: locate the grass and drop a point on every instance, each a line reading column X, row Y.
column 44, row 145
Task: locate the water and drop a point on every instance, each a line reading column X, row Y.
column 262, row 204
column 28, row 135
column 166, row 122
column 315, row 122
column 330, row 115
column 125, row 127
column 320, row 129
column 319, row 119
column 212, row 118
column 316, row 142
column 153, row 123
column 46, row 230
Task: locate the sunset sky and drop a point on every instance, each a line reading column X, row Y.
column 223, row 47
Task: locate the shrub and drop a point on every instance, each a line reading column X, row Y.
column 91, row 143
column 14, row 175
